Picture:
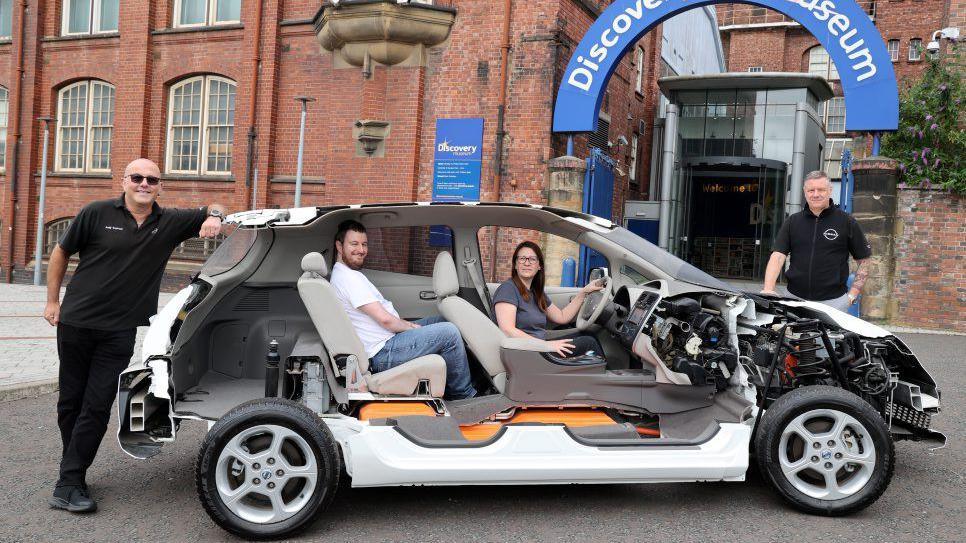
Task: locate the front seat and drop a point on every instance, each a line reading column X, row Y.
column 340, row 340
column 481, row 334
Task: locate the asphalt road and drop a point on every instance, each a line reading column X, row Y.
column 155, row 500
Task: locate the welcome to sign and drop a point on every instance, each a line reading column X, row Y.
column 841, row 26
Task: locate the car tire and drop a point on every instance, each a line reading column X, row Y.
column 255, row 445
column 825, row 450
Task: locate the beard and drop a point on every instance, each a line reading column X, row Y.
column 354, row 263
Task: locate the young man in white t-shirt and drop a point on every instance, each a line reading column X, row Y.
column 389, row 340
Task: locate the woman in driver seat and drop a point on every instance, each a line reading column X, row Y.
column 522, row 309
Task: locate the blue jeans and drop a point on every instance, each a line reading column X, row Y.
column 436, row 336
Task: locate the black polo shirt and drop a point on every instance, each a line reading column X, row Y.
column 819, row 249
column 116, row 284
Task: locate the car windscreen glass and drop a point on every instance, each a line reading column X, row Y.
column 231, row 251
column 668, row 263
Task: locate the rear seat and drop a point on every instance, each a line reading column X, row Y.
column 340, row 339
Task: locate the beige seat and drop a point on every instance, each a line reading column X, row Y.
column 482, row 335
column 340, row 339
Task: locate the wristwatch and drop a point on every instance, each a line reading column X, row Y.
column 216, row 213
column 852, row 298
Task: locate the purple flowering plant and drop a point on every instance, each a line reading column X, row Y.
column 939, row 149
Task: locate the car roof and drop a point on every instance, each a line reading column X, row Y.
column 453, row 212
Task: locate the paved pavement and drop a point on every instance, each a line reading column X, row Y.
column 155, row 500
column 28, row 345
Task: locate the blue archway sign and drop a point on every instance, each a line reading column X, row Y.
column 841, row 26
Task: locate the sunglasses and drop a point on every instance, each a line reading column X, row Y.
column 136, row 178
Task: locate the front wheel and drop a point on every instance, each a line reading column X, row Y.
column 267, row 468
column 825, row 450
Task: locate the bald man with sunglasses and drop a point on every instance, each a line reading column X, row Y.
column 124, row 245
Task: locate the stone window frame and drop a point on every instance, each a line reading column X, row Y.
column 203, row 126
column 94, row 19
column 893, row 47
column 95, row 118
column 211, row 15
column 53, row 231
column 820, row 63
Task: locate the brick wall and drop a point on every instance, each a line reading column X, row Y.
column 462, row 79
column 784, row 45
column 784, row 48
column 930, row 280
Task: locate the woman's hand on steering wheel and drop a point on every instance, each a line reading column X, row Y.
column 563, row 347
column 593, row 286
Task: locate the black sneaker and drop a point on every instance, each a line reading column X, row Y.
column 76, row 499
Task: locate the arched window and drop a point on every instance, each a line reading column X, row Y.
column 54, row 231
column 819, row 63
column 4, row 105
column 85, row 125
column 201, row 123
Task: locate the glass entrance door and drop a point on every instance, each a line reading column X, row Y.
column 732, row 215
column 769, row 215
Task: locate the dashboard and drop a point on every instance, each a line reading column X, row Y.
column 638, row 315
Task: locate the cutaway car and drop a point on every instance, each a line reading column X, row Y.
column 695, row 377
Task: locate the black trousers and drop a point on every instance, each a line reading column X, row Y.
column 584, row 343
column 90, row 363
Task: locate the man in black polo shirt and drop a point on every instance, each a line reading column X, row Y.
column 124, row 245
column 819, row 240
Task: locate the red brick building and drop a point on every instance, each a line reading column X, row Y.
column 207, row 89
column 757, row 39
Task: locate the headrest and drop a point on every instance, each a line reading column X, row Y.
column 315, row 263
column 445, row 280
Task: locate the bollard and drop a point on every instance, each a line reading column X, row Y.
column 568, row 275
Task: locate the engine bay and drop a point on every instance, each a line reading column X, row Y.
column 765, row 348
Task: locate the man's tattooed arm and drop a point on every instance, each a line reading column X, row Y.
column 861, row 274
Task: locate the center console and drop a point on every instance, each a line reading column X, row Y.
column 638, row 317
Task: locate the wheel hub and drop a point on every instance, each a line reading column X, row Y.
column 282, row 479
column 825, row 454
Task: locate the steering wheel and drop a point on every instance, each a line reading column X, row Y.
column 593, row 305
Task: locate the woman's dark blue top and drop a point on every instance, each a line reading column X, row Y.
column 530, row 318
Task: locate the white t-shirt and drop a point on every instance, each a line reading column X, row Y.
column 355, row 290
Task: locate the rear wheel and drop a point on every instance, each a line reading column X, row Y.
column 825, row 450
column 267, row 468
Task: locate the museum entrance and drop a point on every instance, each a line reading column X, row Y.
column 734, row 210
